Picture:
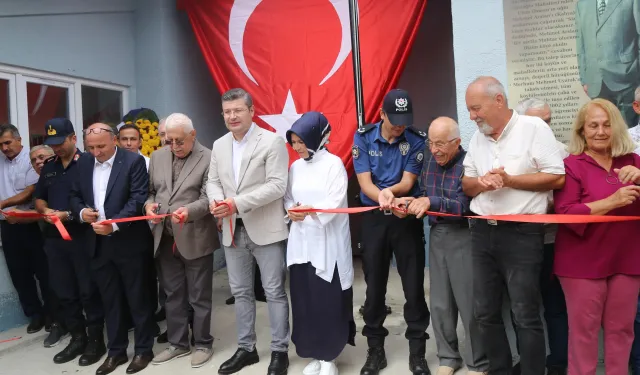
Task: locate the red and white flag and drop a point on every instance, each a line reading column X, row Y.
column 294, row 56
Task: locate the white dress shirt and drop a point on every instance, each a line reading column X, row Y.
column 101, row 174
column 324, row 240
column 16, row 175
column 146, row 159
column 238, row 150
column 526, row 145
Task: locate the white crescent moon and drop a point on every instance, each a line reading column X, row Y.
column 243, row 9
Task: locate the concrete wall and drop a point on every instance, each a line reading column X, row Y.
column 91, row 39
column 479, row 49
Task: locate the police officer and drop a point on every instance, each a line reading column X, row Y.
column 387, row 157
column 69, row 266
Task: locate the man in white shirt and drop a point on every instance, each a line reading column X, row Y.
column 130, row 139
column 512, row 163
column 22, row 244
column 246, row 186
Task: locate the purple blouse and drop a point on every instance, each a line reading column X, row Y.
column 597, row 250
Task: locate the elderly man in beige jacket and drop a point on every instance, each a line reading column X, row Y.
column 184, row 242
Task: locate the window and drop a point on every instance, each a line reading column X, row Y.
column 101, row 105
column 28, row 99
column 44, row 102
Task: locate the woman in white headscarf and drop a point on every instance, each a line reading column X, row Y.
column 319, row 248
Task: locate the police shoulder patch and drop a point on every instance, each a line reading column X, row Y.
column 355, row 151
column 366, row 128
column 404, row 148
column 420, row 156
column 417, row 132
column 50, row 159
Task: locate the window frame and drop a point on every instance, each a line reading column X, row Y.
column 18, row 78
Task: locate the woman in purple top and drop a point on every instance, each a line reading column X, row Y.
column 599, row 264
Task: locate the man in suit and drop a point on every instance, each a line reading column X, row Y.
column 246, row 186
column 112, row 184
column 608, row 41
column 177, row 184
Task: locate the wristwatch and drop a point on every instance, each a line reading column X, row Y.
column 69, row 215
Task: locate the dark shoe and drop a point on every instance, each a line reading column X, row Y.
column 95, row 347
column 162, row 339
column 111, row 364
column 418, row 365
column 161, row 315
column 556, row 370
column 75, row 348
column 36, row 324
column 279, row 363
column 139, row 362
column 376, row 361
column 516, row 369
column 230, row 301
column 238, row 361
column 56, row 334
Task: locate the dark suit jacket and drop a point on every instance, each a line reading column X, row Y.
column 127, row 191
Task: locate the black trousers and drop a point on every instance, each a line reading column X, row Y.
column 383, row 236
column 71, row 281
column 23, row 251
column 124, row 276
column 508, row 254
column 555, row 313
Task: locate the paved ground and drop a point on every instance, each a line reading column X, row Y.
column 28, row 356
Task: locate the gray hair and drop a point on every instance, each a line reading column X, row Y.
column 235, row 94
column 4, row 128
column 530, row 103
column 637, row 94
column 178, row 120
column 37, row 148
column 162, row 122
column 492, row 86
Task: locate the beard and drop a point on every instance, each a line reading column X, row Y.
column 485, row 128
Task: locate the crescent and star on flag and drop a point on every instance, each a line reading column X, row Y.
column 240, row 13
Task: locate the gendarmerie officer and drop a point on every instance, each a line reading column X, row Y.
column 69, row 267
column 387, row 157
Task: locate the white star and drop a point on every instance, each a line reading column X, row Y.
column 282, row 122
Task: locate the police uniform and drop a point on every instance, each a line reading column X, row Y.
column 385, row 234
column 69, row 262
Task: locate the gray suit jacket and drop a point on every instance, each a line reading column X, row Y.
column 262, row 184
column 608, row 45
column 197, row 237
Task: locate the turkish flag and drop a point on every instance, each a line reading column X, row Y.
column 294, row 56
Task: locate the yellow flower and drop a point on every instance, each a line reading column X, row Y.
column 154, row 124
column 145, row 137
column 139, row 122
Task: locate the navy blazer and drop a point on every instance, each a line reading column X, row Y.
column 127, row 191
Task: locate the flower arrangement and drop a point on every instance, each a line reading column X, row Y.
column 147, row 122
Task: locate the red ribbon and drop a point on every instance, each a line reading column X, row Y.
column 11, row 339
column 537, row 218
column 147, row 217
column 34, row 215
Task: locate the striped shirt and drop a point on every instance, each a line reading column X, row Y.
column 443, row 186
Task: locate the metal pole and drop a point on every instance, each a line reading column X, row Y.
column 355, row 53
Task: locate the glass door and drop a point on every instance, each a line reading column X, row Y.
column 40, row 101
column 8, row 110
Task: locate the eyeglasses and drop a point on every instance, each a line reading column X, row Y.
column 439, row 144
column 97, row 131
column 237, row 112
